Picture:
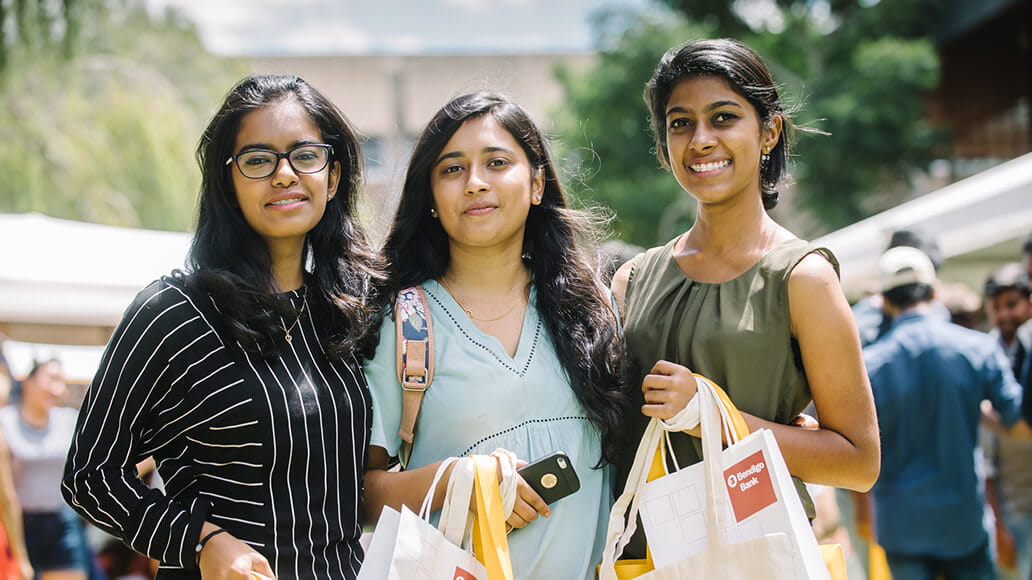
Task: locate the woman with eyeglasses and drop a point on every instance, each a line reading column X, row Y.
column 239, row 376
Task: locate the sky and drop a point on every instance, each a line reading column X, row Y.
column 316, row 27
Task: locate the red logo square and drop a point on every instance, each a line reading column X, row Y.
column 749, row 485
column 461, row 574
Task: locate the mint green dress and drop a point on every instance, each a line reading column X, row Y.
column 736, row 333
column 482, row 399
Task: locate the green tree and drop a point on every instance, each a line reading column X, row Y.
column 607, row 141
column 859, row 71
column 105, row 132
column 40, row 26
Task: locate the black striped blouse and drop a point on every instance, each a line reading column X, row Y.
column 272, row 450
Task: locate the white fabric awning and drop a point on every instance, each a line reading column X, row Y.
column 981, row 211
column 55, row 271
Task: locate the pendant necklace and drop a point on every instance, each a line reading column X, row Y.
column 286, row 331
column 469, row 312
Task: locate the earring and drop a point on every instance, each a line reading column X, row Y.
column 537, row 199
column 764, row 158
column 433, row 213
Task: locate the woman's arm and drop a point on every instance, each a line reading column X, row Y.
column 397, row 488
column 136, row 380
column 10, row 513
column 619, row 285
column 845, row 450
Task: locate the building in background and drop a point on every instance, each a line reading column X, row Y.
column 985, row 89
column 390, row 98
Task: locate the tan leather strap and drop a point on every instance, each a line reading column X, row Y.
column 415, row 360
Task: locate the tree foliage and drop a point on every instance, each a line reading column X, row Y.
column 100, row 122
column 607, row 138
column 860, row 71
column 863, row 73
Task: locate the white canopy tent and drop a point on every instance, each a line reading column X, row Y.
column 56, row 271
column 65, row 284
column 977, row 223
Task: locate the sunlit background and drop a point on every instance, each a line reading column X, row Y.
column 925, row 105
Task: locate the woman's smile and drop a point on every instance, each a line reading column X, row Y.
column 710, row 167
column 287, row 201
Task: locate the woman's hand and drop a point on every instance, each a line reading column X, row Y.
column 528, row 503
column 227, row 558
column 668, row 387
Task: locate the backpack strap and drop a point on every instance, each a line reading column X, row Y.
column 415, row 360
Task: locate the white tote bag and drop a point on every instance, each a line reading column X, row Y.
column 405, row 546
column 696, row 529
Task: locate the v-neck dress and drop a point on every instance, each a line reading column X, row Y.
column 482, row 399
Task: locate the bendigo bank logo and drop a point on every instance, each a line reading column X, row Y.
column 461, row 574
column 749, row 486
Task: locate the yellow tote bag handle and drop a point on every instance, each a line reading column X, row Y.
column 632, row 568
column 741, row 430
column 489, row 542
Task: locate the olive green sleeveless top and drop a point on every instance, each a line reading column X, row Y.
column 736, row 333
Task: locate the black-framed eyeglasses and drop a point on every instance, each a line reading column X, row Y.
column 261, row 163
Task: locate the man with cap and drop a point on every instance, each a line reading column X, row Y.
column 871, row 319
column 929, row 378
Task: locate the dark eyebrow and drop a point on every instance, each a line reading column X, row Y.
column 709, row 107
column 458, row 154
column 268, row 147
column 497, row 149
column 452, row 155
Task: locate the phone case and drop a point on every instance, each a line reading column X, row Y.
column 552, row 477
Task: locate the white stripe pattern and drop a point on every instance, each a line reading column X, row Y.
column 273, row 450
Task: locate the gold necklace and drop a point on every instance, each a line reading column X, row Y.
column 469, row 312
column 286, row 331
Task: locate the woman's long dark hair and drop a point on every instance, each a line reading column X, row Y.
column 231, row 262
column 746, row 74
column 570, row 296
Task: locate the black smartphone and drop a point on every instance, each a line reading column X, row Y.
column 552, row 476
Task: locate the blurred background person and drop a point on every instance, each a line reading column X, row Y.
column 871, row 319
column 1008, row 483
column 1026, row 257
column 929, row 378
column 38, row 434
column 965, row 305
column 1025, row 332
column 1007, row 307
column 872, row 323
column 14, row 559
